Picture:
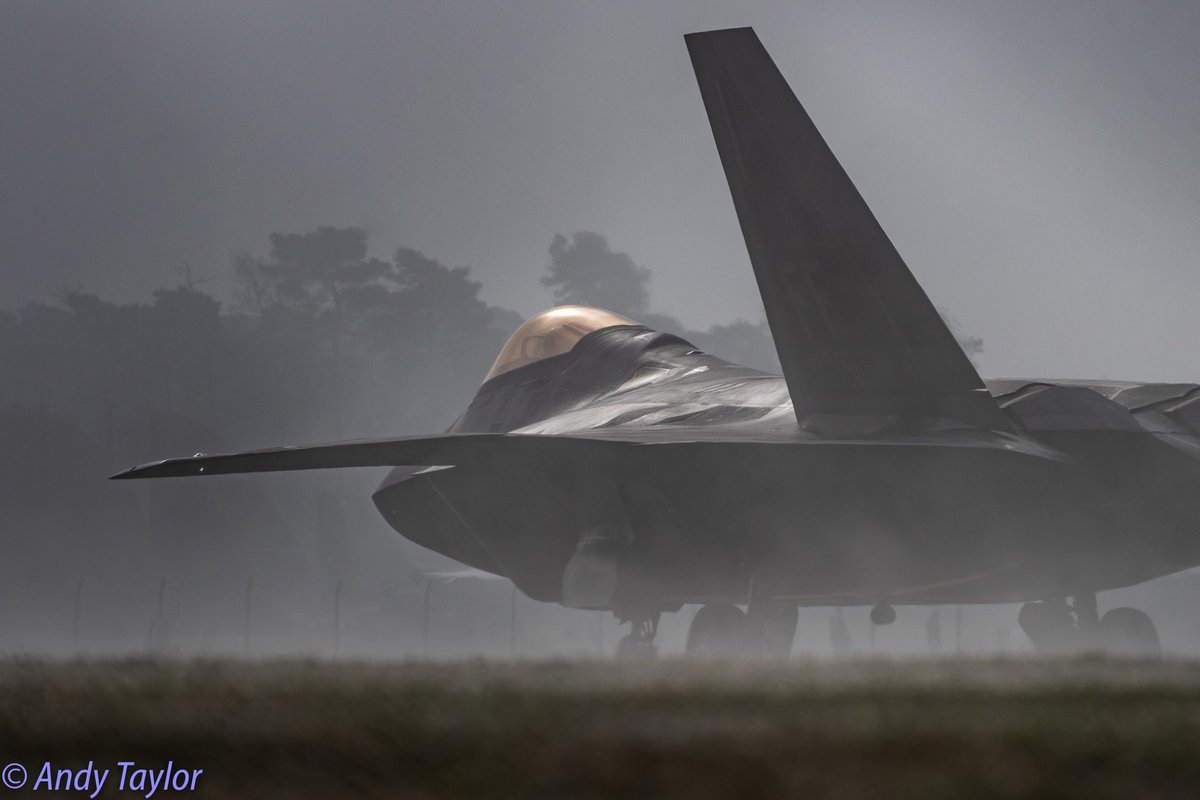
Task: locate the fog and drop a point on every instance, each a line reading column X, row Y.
column 1035, row 164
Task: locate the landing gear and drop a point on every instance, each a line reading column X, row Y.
column 638, row 644
column 1050, row 625
column 1056, row 628
column 775, row 626
column 1129, row 632
column 719, row 630
column 883, row 614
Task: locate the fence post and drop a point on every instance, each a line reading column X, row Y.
column 246, row 619
column 425, row 617
column 157, row 636
column 599, row 634
column 76, row 613
column 512, row 622
column 337, row 618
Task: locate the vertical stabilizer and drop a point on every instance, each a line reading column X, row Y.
column 856, row 334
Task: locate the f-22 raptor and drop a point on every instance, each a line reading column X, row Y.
column 604, row 465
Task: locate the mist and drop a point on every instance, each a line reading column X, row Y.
column 171, row 169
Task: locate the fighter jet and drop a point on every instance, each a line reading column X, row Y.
column 604, row 465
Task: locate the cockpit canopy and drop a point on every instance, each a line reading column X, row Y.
column 551, row 333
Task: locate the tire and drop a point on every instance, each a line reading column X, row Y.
column 1129, row 633
column 719, row 631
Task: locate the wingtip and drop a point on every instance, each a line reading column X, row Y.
column 148, row 470
column 125, row 474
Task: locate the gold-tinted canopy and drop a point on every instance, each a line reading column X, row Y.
column 551, row 333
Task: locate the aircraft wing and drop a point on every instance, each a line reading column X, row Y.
column 551, row 451
column 439, row 450
column 855, row 332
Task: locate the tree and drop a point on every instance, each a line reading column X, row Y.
column 344, row 329
column 585, row 271
column 315, row 274
column 313, row 270
column 429, row 310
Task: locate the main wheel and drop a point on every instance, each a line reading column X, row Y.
column 719, row 631
column 1129, row 632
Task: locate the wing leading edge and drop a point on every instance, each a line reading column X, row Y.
column 607, row 448
column 855, row 332
column 439, row 450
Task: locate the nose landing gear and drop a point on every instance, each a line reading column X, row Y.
column 638, row 644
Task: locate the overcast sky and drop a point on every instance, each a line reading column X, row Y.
column 1036, row 163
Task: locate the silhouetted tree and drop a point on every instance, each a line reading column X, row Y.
column 429, row 308
column 411, row 327
column 316, row 275
column 438, row 338
column 585, row 271
column 314, row 270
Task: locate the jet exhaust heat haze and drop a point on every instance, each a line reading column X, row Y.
column 604, row 465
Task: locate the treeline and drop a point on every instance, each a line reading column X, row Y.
column 323, row 340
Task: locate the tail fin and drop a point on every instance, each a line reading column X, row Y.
column 855, row 332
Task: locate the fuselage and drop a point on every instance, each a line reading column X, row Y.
column 1096, row 486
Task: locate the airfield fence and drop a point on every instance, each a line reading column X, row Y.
column 452, row 616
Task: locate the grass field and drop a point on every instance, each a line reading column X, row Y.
column 987, row 729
